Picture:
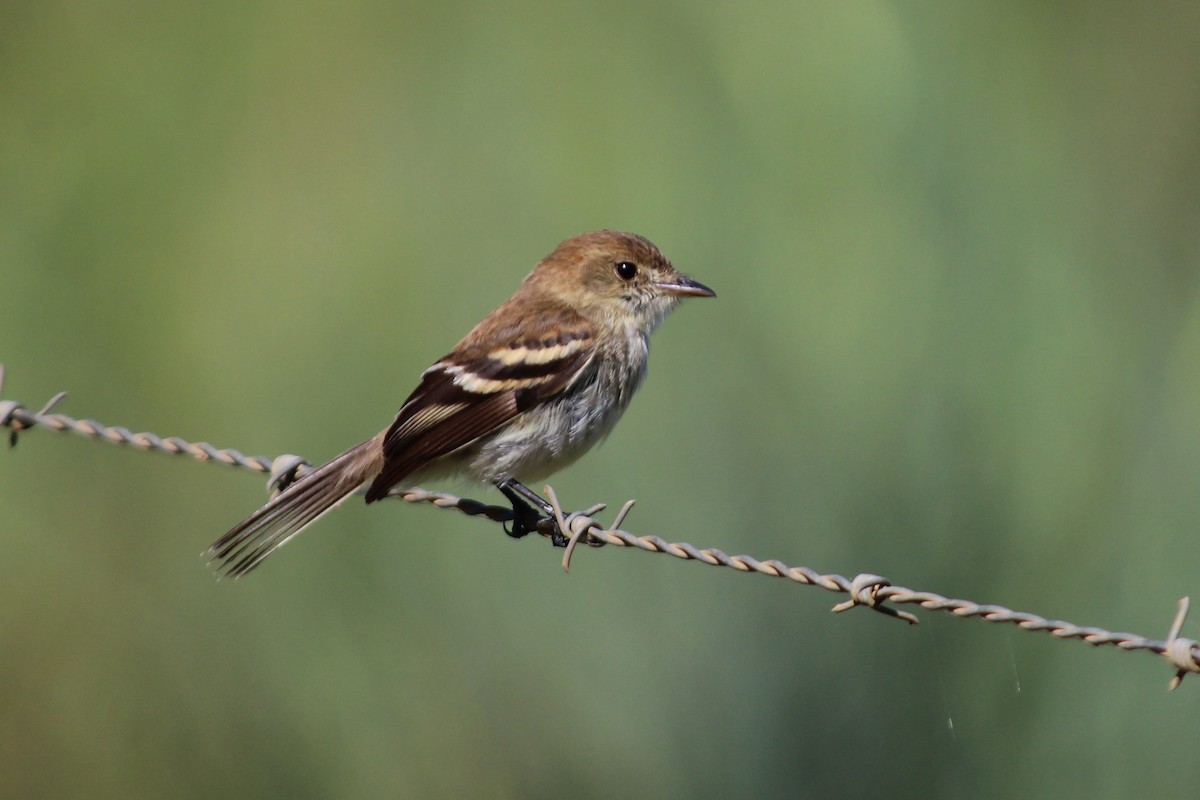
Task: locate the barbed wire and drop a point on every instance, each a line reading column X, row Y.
column 867, row 590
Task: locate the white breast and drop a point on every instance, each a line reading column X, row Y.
column 551, row 436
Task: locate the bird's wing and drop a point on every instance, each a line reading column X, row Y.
column 489, row 379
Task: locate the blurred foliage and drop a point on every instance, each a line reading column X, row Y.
column 957, row 343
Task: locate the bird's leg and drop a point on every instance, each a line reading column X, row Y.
column 525, row 516
column 530, row 512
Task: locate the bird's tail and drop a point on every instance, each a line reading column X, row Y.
column 250, row 541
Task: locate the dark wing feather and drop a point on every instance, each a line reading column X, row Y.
column 492, row 377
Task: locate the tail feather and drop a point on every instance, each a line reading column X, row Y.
column 304, row 502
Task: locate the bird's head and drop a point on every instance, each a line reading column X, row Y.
column 615, row 277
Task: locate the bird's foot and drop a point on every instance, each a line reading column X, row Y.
column 530, row 512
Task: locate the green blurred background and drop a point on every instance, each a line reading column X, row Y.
column 957, row 343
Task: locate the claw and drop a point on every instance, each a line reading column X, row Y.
column 526, row 518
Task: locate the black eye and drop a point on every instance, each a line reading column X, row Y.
column 627, row 270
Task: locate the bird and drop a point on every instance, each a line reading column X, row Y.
column 532, row 387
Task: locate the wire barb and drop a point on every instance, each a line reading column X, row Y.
column 1179, row 651
column 286, row 470
column 866, row 589
column 570, row 525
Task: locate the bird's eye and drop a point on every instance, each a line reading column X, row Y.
column 627, row 270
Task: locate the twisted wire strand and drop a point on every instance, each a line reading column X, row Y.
column 868, row 590
column 872, row 591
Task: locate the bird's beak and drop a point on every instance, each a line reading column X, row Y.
column 683, row 286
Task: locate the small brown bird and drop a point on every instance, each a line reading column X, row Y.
column 534, row 385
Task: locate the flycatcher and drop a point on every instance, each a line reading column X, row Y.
column 530, row 389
